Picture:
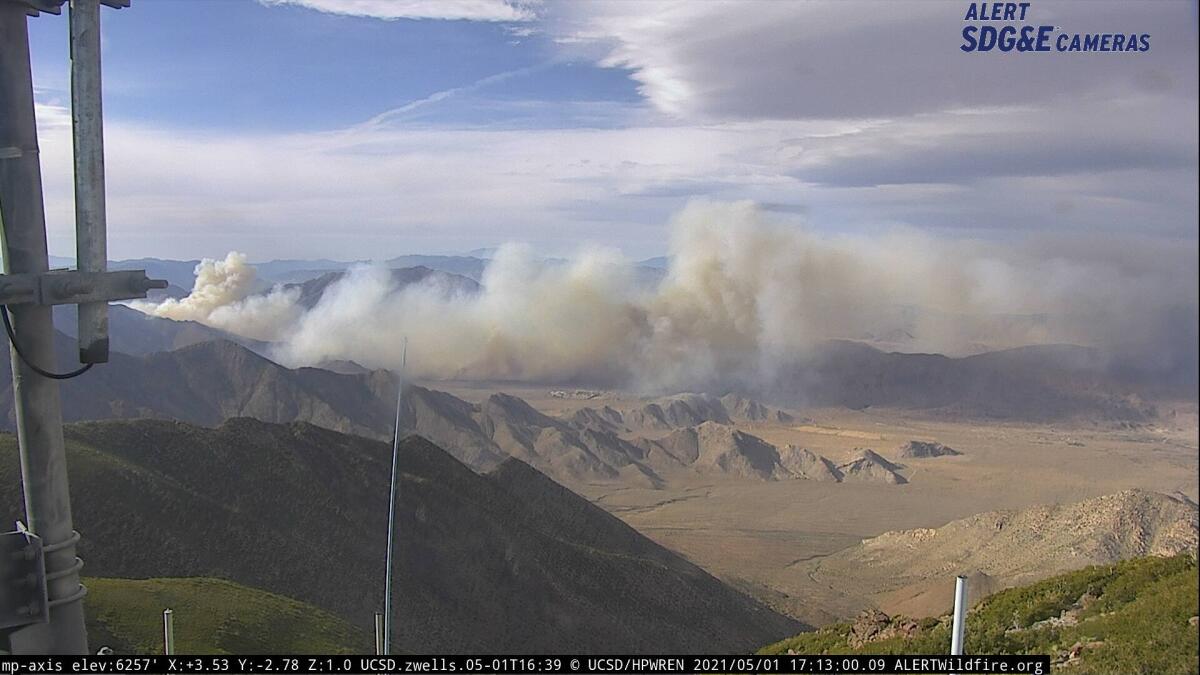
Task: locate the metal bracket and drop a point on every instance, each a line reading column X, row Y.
column 71, row 287
column 23, row 598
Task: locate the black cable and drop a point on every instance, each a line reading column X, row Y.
column 12, row 337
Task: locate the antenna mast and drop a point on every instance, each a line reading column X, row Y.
column 391, row 536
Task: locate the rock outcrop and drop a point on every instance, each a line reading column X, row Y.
column 924, row 449
column 869, row 466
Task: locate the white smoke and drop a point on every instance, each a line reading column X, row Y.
column 530, row 321
column 743, row 296
column 222, row 298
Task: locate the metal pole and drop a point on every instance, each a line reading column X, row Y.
column 959, row 628
column 387, row 584
column 37, row 403
column 378, row 633
column 87, row 126
column 168, row 632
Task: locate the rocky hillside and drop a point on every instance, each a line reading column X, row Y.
column 1136, row 616
column 908, row 569
column 805, row 463
column 1004, row 544
column 301, row 510
column 868, row 466
column 925, row 450
column 745, row 409
column 604, row 445
column 210, row 382
column 482, row 435
column 711, row 447
column 593, row 444
column 690, row 410
column 137, row 334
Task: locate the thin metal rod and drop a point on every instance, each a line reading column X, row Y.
column 959, row 628
column 87, row 132
column 37, row 402
column 168, row 632
column 391, row 538
column 379, row 633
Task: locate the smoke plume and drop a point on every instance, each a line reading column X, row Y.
column 222, row 298
column 743, row 297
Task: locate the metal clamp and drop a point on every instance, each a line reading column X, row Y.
column 65, row 572
column 71, row 287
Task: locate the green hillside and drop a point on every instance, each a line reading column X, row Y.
column 1132, row 617
column 212, row 616
column 301, row 511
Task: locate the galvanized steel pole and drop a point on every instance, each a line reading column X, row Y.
column 168, row 632
column 87, row 125
column 958, row 628
column 37, row 402
column 379, row 633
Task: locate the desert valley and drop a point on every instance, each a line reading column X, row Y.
column 823, row 512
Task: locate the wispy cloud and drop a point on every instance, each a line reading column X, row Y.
column 467, row 10
column 398, row 113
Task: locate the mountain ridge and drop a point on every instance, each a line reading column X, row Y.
column 300, row 510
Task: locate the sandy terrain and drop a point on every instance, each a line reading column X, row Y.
column 764, row 536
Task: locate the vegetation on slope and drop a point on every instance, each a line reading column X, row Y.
column 301, row 511
column 1136, row 616
column 212, row 616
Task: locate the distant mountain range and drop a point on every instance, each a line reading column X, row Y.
column 598, row 445
column 193, row 373
column 507, row 562
column 1037, row 383
column 449, row 284
column 181, row 274
column 139, row 334
column 209, row 382
column 189, row 371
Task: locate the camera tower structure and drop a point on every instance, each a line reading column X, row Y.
column 42, row 612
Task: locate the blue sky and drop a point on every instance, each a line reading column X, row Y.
column 371, row 128
column 240, row 65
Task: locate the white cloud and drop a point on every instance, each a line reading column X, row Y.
column 383, row 189
column 469, row 10
column 855, row 119
column 376, row 191
column 768, row 59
